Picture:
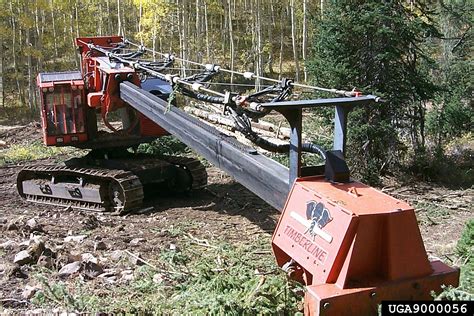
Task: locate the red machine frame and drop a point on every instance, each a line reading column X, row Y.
column 63, row 111
column 72, row 120
column 359, row 248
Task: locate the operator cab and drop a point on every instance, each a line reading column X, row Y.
column 63, row 111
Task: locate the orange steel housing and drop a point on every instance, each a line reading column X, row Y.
column 72, row 128
column 103, row 78
column 370, row 250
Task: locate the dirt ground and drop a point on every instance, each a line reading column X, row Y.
column 224, row 210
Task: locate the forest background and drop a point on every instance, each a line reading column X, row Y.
column 417, row 55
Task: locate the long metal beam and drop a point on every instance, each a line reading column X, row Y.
column 263, row 176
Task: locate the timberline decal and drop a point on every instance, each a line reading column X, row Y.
column 317, row 216
column 316, row 251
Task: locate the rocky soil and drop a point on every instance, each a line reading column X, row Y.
column 105, row 250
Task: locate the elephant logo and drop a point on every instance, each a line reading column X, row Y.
column 319, row 216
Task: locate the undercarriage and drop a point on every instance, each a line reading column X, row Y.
column 111, row 182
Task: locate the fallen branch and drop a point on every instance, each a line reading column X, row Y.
column 153, row 266
column 257, row 288
column 4, row 300
column 200, row 242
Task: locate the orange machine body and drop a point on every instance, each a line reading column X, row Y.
column 103, row 77
column 70, row 100
column 63, row 114
column 354, row 246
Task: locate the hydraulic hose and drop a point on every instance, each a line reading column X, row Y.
column 284, row 148
column 243, row 125
column 202, row 97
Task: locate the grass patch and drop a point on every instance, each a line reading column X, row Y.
column 197, row 278
column 32, row 151
column 430, row 213
column 465, row 250
column 60, row 294
column 166, row 145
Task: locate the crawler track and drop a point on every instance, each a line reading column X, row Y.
column 104, row 189
column 97, row 189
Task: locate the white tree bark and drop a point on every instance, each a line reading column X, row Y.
column 231, row 41
column 119, row 19
column 293, row 39
column 305, row 37
column 259, row 49
column 208, row 49
column 31, row 98
column 2, row 91
column 53, row 24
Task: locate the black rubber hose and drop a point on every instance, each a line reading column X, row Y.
column 243, row 125
column 313, row 148
column 130, row 55
column 202, row 97
column 283, row 148
column 201, row 77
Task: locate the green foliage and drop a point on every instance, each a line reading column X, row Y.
column 430, row 213
column 239, row 283
column 450, row 165
column 451, row 114
column 465, row 246
column 465, row 249
column 376, row 48
column 16, row 114
column 33, row 151
column 196, row 278
column 450, row 293
column 167, row 145
column 58, row 294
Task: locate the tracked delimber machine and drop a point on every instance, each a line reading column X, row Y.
column 74, row 106
column 351, row 245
